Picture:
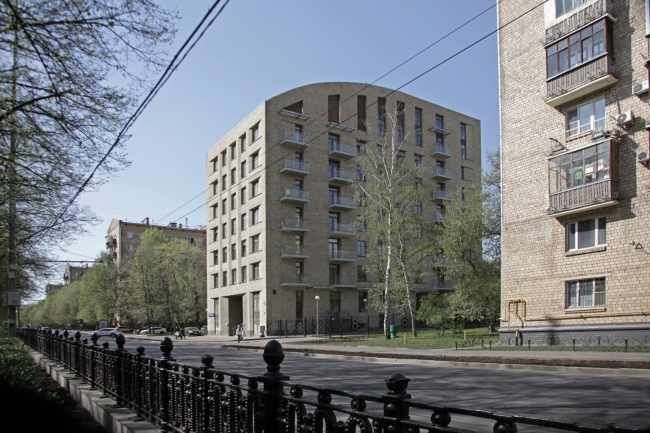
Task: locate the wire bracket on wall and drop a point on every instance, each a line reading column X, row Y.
column 636, row 245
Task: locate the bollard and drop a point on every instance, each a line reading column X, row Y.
column 465, row 335
column 528, row 344
column 574, row 344
column 456, row 345
column 405, row 338
column 626, row 345
column 490, row 344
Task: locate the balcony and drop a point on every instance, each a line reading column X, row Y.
column 336, row 175
column 571, row 22
column 294, row 225
column 295, row 167
column 295, row 195
column 441, row 152
column 293, row 114
column 340, row 281
column 292, row 279
column 294, row 251
column 441, row 130
column 342, row 127
column 580, row 81
column 441, row 195
column 338, row 149
column 342, row 256
column 342, row 203
column 583, row 198
column 440, row 217
column 441, row 173
column 340, row 229
column 294, row 140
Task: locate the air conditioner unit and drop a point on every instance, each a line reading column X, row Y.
column 625, row 119
column 640, row 88
column 643, row 157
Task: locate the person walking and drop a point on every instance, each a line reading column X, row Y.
column 182, row 333
column 240, row 333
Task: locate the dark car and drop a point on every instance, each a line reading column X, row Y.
column 192, row 331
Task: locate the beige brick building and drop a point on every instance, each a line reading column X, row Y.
column 576, row 183
column 123, row 237
column 281, row 210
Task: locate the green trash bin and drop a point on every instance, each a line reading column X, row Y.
column 393, row 331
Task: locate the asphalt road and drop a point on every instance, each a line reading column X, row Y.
column 588, row 400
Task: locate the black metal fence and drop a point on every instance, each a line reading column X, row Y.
column 333, row 324
column 187, row 399
column 596, row 342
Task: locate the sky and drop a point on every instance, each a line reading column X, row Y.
column 257, row 49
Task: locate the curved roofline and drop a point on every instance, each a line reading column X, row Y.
column 338, row 82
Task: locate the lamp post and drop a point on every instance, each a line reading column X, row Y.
column 365, row 307
column 317, row 298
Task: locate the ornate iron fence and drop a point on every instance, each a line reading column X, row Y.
column 186, row 399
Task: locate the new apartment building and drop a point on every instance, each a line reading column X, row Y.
column 576, row 182
column 282, row 217
column 123, row 237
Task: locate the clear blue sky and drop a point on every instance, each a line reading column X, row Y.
column 257, row 49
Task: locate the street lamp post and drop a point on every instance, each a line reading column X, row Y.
column 317, row 298
column 365, row 306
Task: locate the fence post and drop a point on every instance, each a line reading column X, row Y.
column 394, row 408
column 93, row 352
column 120, row 353
column 273, row 356
column 207, row 373
column 304, row 326
column 626, row 345
column 166, row 347
column 341, row 323
column 77, row 351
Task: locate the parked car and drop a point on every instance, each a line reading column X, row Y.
column 204, row 330
column 106, row 332
column 153, row 330
column 192, row 331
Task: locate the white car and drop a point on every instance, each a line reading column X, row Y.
column 154, row 330
column 106, row 332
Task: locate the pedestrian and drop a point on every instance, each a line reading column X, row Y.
column 182, row 333
column 239, row 333
column 177, row 333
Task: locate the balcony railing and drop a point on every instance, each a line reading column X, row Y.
column 441, row 195
column 440, row 151
column 294, row 139
column 292, row 278
column 342, row 255
column 339, row 202
column 594, row 126
column 339, row 280
column 336, row 148
column 294, row 250
column 340, row 176
column 340, row 228
column 295, row 167
column 295, row 195
column 295, row 224
column 442, row 173
column 439, row 217
column 587, row 195
column 580, row 81
column 576, row 20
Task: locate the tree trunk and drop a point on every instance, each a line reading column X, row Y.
column 387, row 281
column 408, row 299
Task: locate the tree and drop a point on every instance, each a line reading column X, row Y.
column 471, row 242
column 70, row 74
column 393, row 217
column 436, row 312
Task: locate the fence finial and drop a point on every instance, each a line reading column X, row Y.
column 273, row 356
column 397, row 383
column 166, row 347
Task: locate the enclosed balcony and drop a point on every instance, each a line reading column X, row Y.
column 295, row 167
column 341, row 281
column 338, row 149
column 342, row 256
column 441, row 173
column 336, row 175
column 441, row 195
column 294, row 251
column 295, row 195
column 580, row 81
column 294, row 224
column 441, row 152
column 294, row 139
column 340, row 229
column 292, row 279
column 342, row 203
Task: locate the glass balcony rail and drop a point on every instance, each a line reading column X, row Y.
column 336, row 174
column 345, row 255
column 338, row 201
column 340, row 149
column 295, row 194
column 339, row 280
column 295, row 166
column 441, row 194
column 442, row 173
column 342, row 228
column 441, row 151
column 294, row 139
column 440, row 217
column 294, row 250
column 294, row 278
column 296, row 223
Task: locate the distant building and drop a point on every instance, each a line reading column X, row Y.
column 51, row 289
column 123, row 238
column 74, row 273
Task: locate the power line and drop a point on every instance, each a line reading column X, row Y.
column 190, row 200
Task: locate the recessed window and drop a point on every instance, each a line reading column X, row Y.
column 224, row 230
column 233, row 151
column 233, row 226
column 233, row 276
column 215, row 281
column 255, row 216
column 400, row 121
column 418, row 127
column 243, row 195
column 224, row 280
column 223, row 158
column 360, row 176
column 361, row 274
column 255, row 243
column 233, row 251
column 242, row 142
column 243, row 221
column 255, row 271
column 586, row 117
column 463, row 141
column 224, row 182
column 243, row 248
column 255, row 160
column 578, row 48
column 233, row 176
column 215, row 211
column 243, row 274
column 417, row 159
column 381, row 116
column 585, row 293
column 333, row 108
column 215, row 164
column 361, row 147
column 255, row 133
column 586, row 233
column 224, row 206
column 215, row 257
column 224, row 255
column 129, row 235
column 361, row 248
column 255, row 186
column 418, row 208
column 233, row 201
column 243, row 170
column 215, row 234
column 361, row 112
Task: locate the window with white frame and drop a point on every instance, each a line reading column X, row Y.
column 586, row 233
column 255, row 160
column 255, row 186
column 255, row 133
column 255, row 271
column 585, row 293
column 565, row 6
column 586, row 117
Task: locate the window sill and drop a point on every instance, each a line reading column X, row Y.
column 579, row 135
column 585, row 310
column 586, row 251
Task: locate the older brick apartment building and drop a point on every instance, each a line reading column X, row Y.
column 281, row 210
column 576, row 182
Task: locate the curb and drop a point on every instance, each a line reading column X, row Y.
column 558, row 365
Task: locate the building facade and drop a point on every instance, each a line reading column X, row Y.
column 123, row 238
column 281, row 209
column 576, row 183
column 74, row 273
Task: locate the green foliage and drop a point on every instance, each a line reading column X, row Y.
column 436, row 312
column 16, row 367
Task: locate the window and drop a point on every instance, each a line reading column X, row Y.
column 243, row 222
column 233, row 276
column 224, row 230
column 417, row 159
column 233, row 226
column 586, row 234
column 587, row 117
column 381, row 116
column 333, row 108
column 255, row 271
column 585, row 293
column 255, row 160
column 224, row 279
column 360, row 176
column 233, row 176
column 462, row 172
column 361, row 274
column 233, row 151
column 440, row 142
column 400, row 155
column 361, row 113
column 299, row 298
column 129, row 235
column 215, row 281
column 333, row 142
column 255, row 216
column 579, row 168
column 255, row 186
column 242, row 171
column 215, row 164
column 233, row 252
column 335, row 302
column 223, row 158
column 244, row 275
column 463, row 141
column 255, row 133
column 215, row 210
column 224, row 206
column 233, row 201
column 400, row 121
column 565, row 6
column 216, row 312
column 129, row 247
column 243, row 248
column 363, row 300
column 255, row 241
column 242, row 142
column 224, row 182
column 418, row 208
column 361, row 224
column 418, row 185
column 362, row 199
column 215, row 257
column 224, row 254
column 418, row 127
column 361, row 147
column 578, row 48
column 215, row 234
column 243, row 195
column 256, row 308
column 361, row 248
column 215, row 187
